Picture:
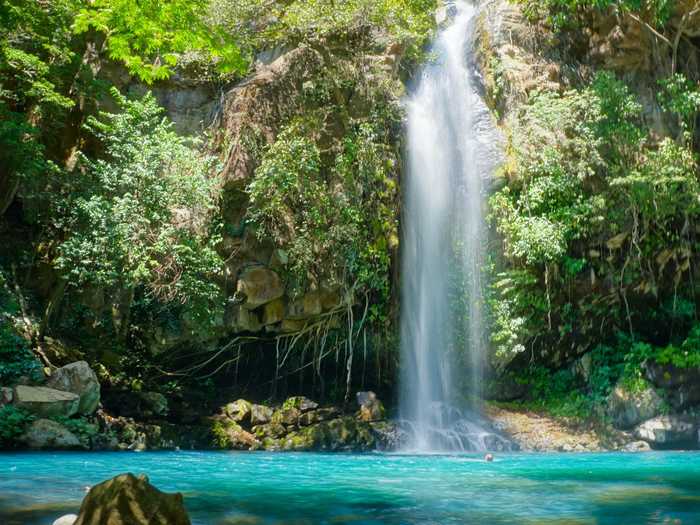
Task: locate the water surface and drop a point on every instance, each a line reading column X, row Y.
column 372, row 489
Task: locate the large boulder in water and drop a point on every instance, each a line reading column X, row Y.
column 46, row 402
column 628, row 407
column 47, row 434
column 79, row 379
column 130, row 500
column 668, row 431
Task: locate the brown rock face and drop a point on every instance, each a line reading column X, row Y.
column 259, row 286
column 130, row 500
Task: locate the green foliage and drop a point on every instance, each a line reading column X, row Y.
column 13, row 422
column 681, row 97
column 80, row 427
column 265, row 24
column 567, row 14
column 334, row 222
column 596, row 222
column 150, row 36
column 558, row 393
column 16, row 358
column 141, row 216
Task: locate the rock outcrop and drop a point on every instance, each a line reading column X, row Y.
column 78, row 378
column 45, row 434
column 371, row 409
column 130, row 500
column 300, row 424
column 668, row 432
column 681, row 385
column 628, row 408
column 46, row 402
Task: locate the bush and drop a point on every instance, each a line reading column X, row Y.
column 13, row 422
column 142, row 216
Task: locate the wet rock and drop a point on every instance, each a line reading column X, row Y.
column 81, row 380
column 257, row 286
column 667, row 431
column 260, row 414
column 239, row 410
column 301, row 403
column 371, row 409
column 628, row 407
column 46, row 402
column 68, row 519
column 48, row 434
column 389, row 436
column 127, row 499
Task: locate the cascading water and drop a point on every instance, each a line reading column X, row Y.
column 450, row 147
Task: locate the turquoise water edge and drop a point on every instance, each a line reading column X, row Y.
column 371, row 489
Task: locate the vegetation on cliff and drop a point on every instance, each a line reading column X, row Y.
column 598, row 217
column 115, row 228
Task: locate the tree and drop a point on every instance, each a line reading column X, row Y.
column 140, row 217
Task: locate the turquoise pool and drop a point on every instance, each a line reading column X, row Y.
column 372, row 489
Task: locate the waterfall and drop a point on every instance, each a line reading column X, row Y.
column 450, row 145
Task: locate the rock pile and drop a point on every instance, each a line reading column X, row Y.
column 301, row 424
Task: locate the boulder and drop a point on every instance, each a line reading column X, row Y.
column 260, row 414
column 130, row 500
column 269, row 430
column 153, row 403
column 286, row 416
column 68, row 519
column 371, row 409
column 301, row 403
column 636, row 446
column 239, row 410
column 681, row 385
column 629, row 407
column 48, row 434
column 46, row 402
column 667, row 431
column 81, row 380
column 229, row 434
column 257, row 286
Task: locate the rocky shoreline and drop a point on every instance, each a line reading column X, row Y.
column 66, row 410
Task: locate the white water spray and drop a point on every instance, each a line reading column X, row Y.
column 449, row 155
